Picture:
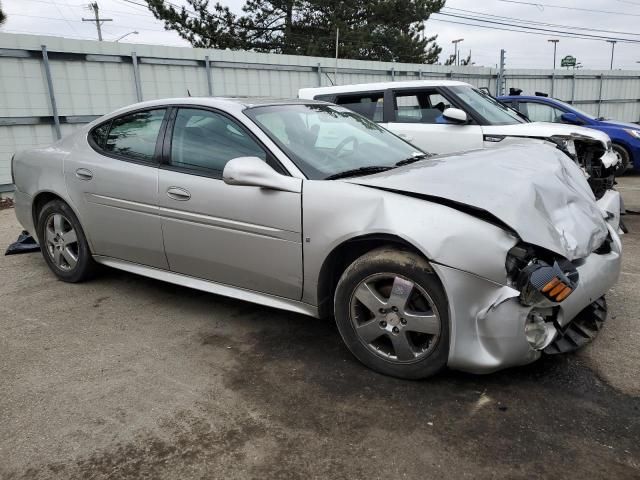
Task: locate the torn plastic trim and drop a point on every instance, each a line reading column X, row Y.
column 476, row 212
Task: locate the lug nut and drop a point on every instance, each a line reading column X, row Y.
column 383, row 324
column 403, row 321
column 395, row 309
column 382, row 310
column 395, row 330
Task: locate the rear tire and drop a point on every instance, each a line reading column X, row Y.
column 392, row 313
column 63, row 243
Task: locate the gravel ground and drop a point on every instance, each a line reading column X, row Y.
column 127, row 377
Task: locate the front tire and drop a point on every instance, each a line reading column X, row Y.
column 392, row 313
column 63, row 243
column 625, row 158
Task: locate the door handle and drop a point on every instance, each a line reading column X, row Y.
column 84, row 174
column 178, row 193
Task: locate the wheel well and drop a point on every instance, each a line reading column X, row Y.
column 343, row 255
column 40, row 201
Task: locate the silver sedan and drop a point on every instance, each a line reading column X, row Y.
column 479, row 261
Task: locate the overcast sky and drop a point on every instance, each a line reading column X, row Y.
column 64, row 18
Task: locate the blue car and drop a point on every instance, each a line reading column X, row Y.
column 625, row 136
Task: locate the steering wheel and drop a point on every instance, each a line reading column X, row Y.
column 344, row 143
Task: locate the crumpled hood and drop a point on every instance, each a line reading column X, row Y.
column 535, row 189
column 546, row 130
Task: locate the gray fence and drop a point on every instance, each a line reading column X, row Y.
column 50, row 85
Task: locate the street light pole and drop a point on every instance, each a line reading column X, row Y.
column 455, row 55
column 126, row 35
column 613, row 47
column 555, row 45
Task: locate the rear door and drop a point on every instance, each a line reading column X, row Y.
column 247, row 237
column 416, row 116
column 113, row 182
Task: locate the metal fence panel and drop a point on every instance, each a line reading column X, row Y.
column 91, row 78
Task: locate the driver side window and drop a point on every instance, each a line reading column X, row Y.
column 540, row 112
column 419, row 107
column 204, row 141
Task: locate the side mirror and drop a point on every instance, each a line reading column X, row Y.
column 571, row 118
column 254, row 172
column 455, row 115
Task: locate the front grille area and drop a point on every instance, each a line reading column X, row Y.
column 581, row 330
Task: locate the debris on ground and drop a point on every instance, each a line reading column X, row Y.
column 25, row 244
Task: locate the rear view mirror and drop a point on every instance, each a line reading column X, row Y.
column 571, row 118
column 455, row 115
column 255, row 172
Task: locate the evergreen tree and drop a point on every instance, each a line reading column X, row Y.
column 3, row 17
column 387, row 30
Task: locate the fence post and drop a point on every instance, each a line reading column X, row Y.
column 600, row 94
column 319, row 75
column 419, row 74
column 207, row 65
column 553, row 82
column 393, row 74
column 52, row 96
column 136, row 76
column 573, row 88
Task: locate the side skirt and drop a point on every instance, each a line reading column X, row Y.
column 211, row 287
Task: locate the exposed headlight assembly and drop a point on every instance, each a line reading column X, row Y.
column 633, row 133
column 540, row 282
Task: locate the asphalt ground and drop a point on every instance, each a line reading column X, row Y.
column 127, row 377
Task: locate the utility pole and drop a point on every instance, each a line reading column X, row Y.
column 555, row 45
column 455, row 55
column 613, row 47
column 335, row 73
column 98, row 21
column 500, row 80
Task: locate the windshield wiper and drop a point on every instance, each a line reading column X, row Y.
column 415, row 158
column 354, row 172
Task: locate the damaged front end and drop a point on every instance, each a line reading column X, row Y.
column 596, row 158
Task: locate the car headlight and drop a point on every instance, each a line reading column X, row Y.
column 633, row 133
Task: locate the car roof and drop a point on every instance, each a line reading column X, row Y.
column 526, row 97
column 363, row 87
column 222, row 103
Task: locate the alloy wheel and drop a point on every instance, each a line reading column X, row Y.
column 61, row 242
column 395, row 318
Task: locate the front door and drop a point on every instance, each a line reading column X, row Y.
column 247, row 237
column 113, row 184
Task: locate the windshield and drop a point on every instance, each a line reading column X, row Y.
column 325, row 140
column 485, row 106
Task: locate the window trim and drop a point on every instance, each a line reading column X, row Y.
column 165, row 148
column 154, row 160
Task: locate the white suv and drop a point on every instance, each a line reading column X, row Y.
column 442, row 116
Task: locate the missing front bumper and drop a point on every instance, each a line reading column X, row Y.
column 581, row 330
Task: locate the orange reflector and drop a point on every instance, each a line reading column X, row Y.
column 550, row 285
column 557, row 289
column 564, row 294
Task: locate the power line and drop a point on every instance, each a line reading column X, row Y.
column 591, row 10
column 576, row 34
column 570, row 35
column 500, row 17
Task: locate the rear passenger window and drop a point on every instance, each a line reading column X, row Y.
column 368, row 105
column 99, row 134
column 134, row 136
